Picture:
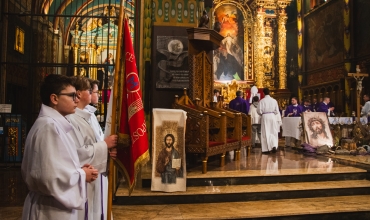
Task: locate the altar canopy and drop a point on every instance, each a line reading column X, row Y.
column 169, row 164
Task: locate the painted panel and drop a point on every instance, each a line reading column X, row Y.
column 324, row 40
column 228, row 60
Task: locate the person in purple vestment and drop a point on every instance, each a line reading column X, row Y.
column 293, row 110
column 239, row 104
column 314, row 105
column 325, row 107
column 307, row 106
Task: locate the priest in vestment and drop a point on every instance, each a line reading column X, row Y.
column 270, row 122
column 50, row 166
column 293, row 110
column 325, row 107
column 239, row 104
column 307, row 107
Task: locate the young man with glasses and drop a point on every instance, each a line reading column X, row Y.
column 90, row 149
column 51, row 167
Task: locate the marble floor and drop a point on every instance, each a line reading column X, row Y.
column 285, row 162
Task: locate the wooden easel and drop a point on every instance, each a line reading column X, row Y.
column 358, row 77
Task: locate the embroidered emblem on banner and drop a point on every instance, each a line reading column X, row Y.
column 134, row 108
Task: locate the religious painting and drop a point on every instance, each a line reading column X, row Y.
column 172, row 62
column 325, row 30
column 169, row 164
column 19, row 40
column 228, row 60
column 316, row 128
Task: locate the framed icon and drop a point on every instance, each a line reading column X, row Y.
column 19, row 40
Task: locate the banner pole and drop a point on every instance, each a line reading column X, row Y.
column 118, row 74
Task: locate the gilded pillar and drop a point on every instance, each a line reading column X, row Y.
column 282, row 49
column 76, row 49
column 300, row 45
column 93, row 72
column 260, row 35
column 347, row 53
column 55, row 57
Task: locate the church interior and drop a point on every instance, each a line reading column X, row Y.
column 185, row 51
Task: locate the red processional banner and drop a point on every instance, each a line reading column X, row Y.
column 132, row 124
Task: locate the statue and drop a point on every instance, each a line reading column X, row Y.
column 204, row 20
column 83, row 72
column 217, row 26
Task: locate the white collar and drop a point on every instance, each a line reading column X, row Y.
column 56, row 116
column 83, row 114
column 90, row 108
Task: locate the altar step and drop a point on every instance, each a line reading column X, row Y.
column 336, row 208
column 255, row 192
column 301, row 188
column 242, row 186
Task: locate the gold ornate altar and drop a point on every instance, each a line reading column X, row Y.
column 95, row 43
column 264, row 45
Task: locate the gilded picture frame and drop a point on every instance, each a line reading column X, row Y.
column 246, row 33
column 317, row 129
column 19, row 40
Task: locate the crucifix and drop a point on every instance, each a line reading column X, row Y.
column 358, row 77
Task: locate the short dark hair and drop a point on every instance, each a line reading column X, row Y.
column 239, row 93
column 53, row 84
column 294, row 98
column 81, row 83
column 169, row 135
column 94, row 82
column 367, row 95
column 266, row 91
column 255, row 99
column 215, row 91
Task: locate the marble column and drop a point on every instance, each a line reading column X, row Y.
column 282, row 49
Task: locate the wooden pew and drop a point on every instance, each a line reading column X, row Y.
column 233, row 124
column 246, row 139
column 205, row 131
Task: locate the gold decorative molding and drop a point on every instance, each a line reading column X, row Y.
column 228, row 90
column 259, row 46
column 282, row 49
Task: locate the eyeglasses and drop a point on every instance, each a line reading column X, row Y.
column 90, row 91
column 72, row 94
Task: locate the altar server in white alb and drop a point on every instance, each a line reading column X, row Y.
column 101, row 184
column 51, row 167
column 256, row 121
column 89, row 149
column 270, row 122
